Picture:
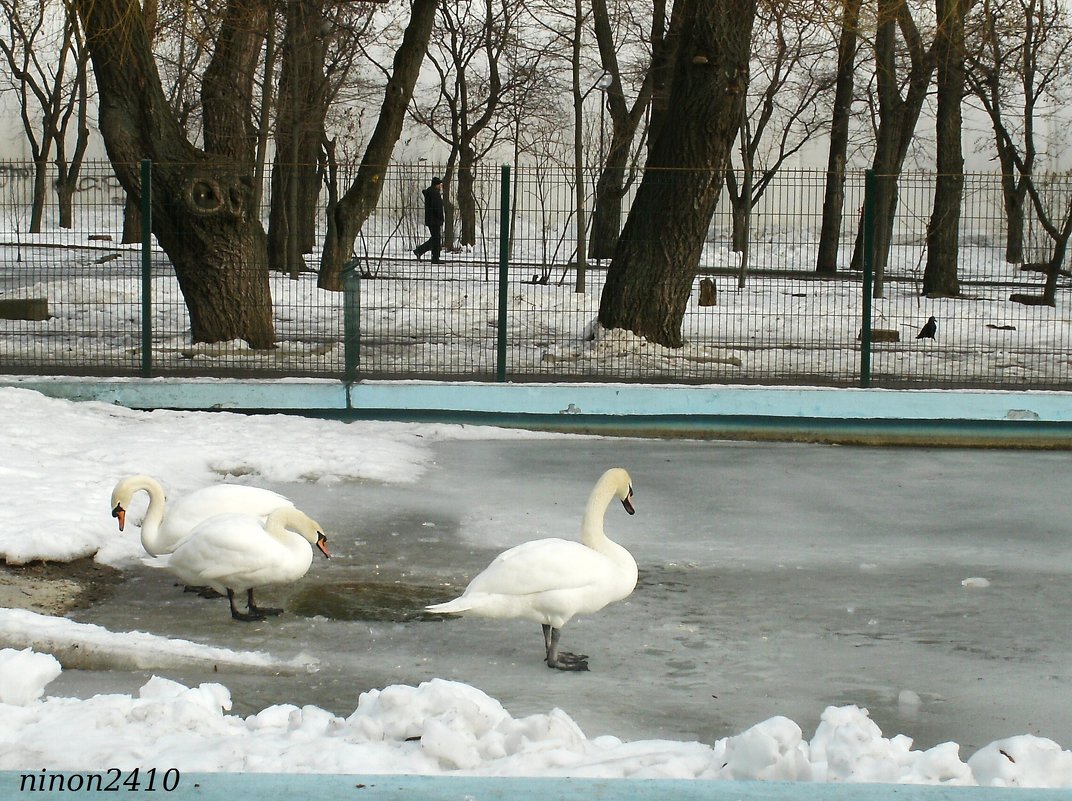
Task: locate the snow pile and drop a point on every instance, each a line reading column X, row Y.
column 90, row 647
column 62, row 459
column 24, row 674
column 448, row 727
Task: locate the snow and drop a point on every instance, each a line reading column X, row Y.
column 776, row 327
column 62, row 459
column 88, row 646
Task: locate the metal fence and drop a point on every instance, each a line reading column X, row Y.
column 777, row 323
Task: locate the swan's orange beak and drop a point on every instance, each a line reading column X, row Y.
column 627, row 502
column 322, row 544
column 120, row 514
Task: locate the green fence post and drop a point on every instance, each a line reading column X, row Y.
column 868, row 239
column 146, row 268
column 504, row 263
column 351, row 317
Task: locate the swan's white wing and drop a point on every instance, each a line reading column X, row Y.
column 222, row 546
column 189, row 511
column 539, row 566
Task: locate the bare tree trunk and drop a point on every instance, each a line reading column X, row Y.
column 1014, row 198
column 345, row 218
column 943, row 233
column 611, row 184
column 465, row 194
column 228, row 84
column 649, row 281
column 663, row 58
column 202, row 214
column 40, row 194
column 300, row 131
column 834, row 197
column 581, row 238
column 897, row 124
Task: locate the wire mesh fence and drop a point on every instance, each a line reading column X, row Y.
column 764, row 316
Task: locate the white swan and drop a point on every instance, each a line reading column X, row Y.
column 234, row 552
column 549, row 581
column 164, row 527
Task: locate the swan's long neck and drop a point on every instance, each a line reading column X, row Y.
column 592, row 533
column 279, row 526
column 154, row 515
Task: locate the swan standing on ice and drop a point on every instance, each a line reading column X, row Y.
column 163, row 528
column 235, row 552
column 549, row 581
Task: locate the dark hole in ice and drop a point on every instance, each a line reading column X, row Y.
column 380, row 601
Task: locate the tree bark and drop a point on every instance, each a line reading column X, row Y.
column 834, row 197
column 940, row 274
column 624, row 122
column 299, row 134
column 651, row 276
column 345, row 218
column 897, row 124
column 202, row 214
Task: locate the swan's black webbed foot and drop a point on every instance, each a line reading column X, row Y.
column 254, row 614
column 260, row 610
column 561, row 660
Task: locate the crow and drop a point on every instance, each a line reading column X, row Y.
column 928, row 330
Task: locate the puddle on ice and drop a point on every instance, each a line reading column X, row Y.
column 775, row 579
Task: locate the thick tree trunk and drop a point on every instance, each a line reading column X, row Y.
column 610, row 191
column 834, row 197
column 943, row 233
column 300, row 131
column 663, row 58
column 227, row 88
column 202, row 211
column 345, row 218
column 651, row 276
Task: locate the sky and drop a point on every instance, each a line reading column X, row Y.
column 54, row 506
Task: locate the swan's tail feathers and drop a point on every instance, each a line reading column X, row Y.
column 457, row 606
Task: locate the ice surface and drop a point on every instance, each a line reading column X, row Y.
column 925, row 586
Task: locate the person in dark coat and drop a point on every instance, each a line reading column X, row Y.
column 433, row 219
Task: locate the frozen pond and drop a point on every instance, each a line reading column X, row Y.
column 775, row 579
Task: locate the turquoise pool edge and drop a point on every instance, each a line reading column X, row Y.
column 940, row 417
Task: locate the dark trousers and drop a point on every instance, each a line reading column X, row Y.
column 434, row 243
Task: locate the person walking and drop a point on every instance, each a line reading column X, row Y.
column 433, row 219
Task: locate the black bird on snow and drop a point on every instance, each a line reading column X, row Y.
column 928, row 330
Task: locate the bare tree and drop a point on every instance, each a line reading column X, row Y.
column 304, row 95
column 346, row 215
column 903, row 77
column 44, row 51
column 566, row 27
column 1054, row 213
column 943, row 246
column 320, row 49
column 655, row 264
column 618, row 170
column 784, row 109
column 837, row 154
column 1019, row 61
column 202, row 212
column 470, row 47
